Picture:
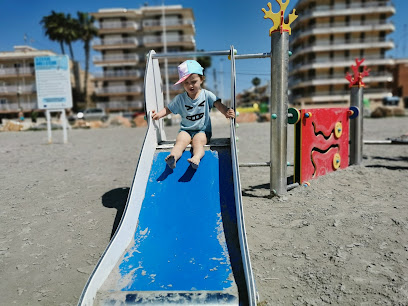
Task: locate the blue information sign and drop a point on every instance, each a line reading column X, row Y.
column 53, row 80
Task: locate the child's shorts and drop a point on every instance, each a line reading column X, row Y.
column 193, row 133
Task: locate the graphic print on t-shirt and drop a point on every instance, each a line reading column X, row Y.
column 196, row 116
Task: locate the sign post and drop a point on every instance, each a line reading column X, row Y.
column 54, row 94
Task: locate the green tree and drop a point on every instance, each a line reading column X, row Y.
column 54, row 26
column 63, row 28
column 71, row 33
column 204, row 61
column 256, row 81
column 87, row 31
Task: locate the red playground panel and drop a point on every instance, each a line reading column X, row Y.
column 321, row 142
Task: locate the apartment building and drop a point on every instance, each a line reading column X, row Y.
column 125, row 37
column 18, row 89
column 326, row 39
column 401, row 79
column 17, row 79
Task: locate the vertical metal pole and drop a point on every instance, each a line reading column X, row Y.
column 279, row 112
column 64, row 126
column 356, row 126
column 222, row 79
column 48, row 115
column 215, row 83
column 166, row 66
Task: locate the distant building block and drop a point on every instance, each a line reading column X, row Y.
column 321, row 142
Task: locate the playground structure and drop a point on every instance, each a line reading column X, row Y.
column 167, row 250
column 178, row 244
column 321, row 142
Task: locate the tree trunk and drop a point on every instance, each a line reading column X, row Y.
column 76, row 75
column 86, row 72
column 71, row 52
column 62, row 47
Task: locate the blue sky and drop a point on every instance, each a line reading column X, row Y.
column 219, row 24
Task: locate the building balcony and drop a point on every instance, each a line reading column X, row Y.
column 106, row 27
column 343, row 44
column 121, row 105
column 343, row 27
column 116, row 13
column 116, row 59
column 171, row 71
column 157, row 25
column 337, row 79
column 174, row 60
column 118, row 75
column 339, row 9
column 172, row 41
column 152, row 12
column 12, row 90
column 16, row 72
column 119, row 91
column 337, row 62
column 115, row 43
column 336, row 96
column 14, row 106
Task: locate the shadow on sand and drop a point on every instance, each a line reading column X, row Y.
column 116, row 198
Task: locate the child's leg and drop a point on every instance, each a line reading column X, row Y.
column 198, row 143
column 182, row 141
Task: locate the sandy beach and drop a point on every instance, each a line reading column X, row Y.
column 342, row 241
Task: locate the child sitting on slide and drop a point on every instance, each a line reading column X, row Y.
column 194, row 107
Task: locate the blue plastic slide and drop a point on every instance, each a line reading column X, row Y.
column 181, row 239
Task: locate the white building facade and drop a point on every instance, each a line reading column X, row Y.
column 326, row 39
column 125, row 37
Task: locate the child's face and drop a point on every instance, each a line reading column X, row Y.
column 192, row 85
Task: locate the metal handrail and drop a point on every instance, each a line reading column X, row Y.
column 190, row 54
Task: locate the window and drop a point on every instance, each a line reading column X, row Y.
column 312, row 73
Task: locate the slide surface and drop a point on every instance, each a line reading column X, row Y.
column 180, row 252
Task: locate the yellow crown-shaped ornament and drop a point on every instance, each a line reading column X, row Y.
column 279, row 24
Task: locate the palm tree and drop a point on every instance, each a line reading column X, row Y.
column 64, row 29
column 71, row 33
column 87, row 31
column 204, row 61
column 256, row 81
column 61, row 28
column 54, row 25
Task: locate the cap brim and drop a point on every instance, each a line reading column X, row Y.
column 182, row 79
